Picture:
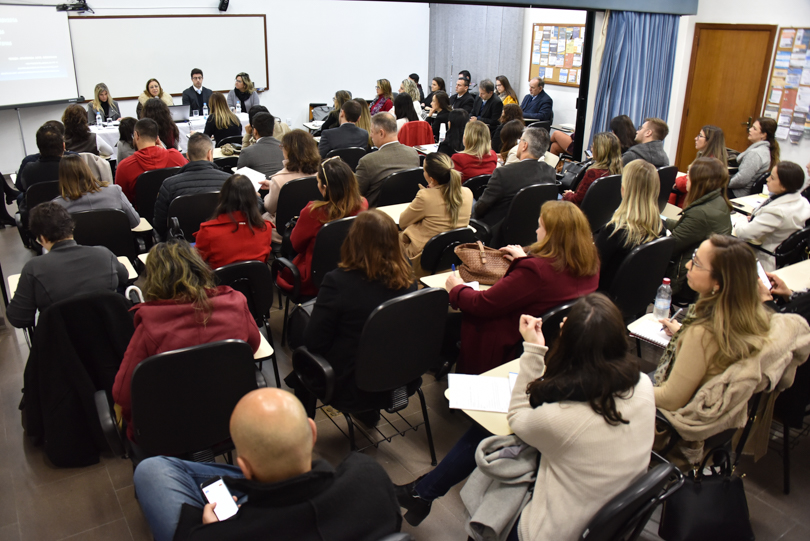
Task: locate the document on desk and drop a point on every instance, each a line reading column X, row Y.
column 255, row 176
column 479, row 393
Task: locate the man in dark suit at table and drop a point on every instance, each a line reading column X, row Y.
column 347, row 134
column 196, row 95
column 508, row 180
column 462, row 99
column 265, row 156
column 487, row 107
column 537, row 105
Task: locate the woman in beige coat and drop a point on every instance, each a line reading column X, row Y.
column 441, row 206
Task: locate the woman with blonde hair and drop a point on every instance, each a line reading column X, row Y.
column 477, row 158
column 384, row 100
column 243, row 94
column 153, row 90
column 409, row 87
column 561, row 266
column 607, row 160
column 78, row 137
column 332, row 120
column 635, row 222
column 80, row 190
column 365, row 119
column 221, row 122
column 710, row 143
column 444, row 205
column 102, row 103
column 184, row 308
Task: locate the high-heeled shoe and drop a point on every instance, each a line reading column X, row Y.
column 417, row 508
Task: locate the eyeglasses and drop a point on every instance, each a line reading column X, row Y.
column 696, row 264
column 377, row 87
column 700, row 136
column 323, row 163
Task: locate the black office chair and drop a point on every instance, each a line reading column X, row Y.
column 253, row 280
column 759, row 183
column 623, row 517
column 439, row 252
column 552, row 320
column 109, row 228
column 351, row 156
column 520, row 225
column 601, row 200
column 534, row 124
column 477, row 185
column 227, row 163
column 292, row 198
column 235, row 140
column 639, row 277
column 147, row 186
column 790, row 410
column 401, row 187
column 793, row 249
column 667, row 176
column 182, row 402
column 389, row 361
column 40, row 192
column 192, row 210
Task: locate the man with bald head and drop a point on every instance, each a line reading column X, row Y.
column 283, row 493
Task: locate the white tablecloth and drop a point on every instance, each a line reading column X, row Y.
column 110, row 133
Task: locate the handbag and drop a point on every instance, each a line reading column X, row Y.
column 481, row 264
column 297, row 323
column 709, row 506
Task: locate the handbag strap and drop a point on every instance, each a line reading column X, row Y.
column 483, row 253
column 725, row 465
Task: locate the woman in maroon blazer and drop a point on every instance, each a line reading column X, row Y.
column 562, row 265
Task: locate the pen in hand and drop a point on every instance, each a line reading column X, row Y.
column 673, row 316
column 454, row 269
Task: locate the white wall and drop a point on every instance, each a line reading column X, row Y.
column 788, row 13
column 315, row 47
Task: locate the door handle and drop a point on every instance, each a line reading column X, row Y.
column 747, row 124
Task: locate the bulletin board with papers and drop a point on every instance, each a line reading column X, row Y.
column 788, row 99
column 557, row 53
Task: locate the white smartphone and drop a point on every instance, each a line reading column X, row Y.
column 215, row 491
column 763, row 277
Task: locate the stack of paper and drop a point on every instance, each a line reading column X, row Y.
column 480, row 393
column 254, row 176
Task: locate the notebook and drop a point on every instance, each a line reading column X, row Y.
column 648, row 328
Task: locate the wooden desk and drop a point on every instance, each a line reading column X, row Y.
column 496, row 423
column 13, row 280
column 796, row 277
column 747, row 204
column 671, row 211
column 130, row 269
column 143, row 226
column 438, row 280
column 394, row 211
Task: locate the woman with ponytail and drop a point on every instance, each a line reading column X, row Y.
column 441, row 206
column 758, row 159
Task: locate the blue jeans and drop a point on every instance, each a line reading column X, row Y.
column 164, row 484
column 454, row 468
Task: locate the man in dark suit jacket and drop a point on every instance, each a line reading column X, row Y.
column 487, row 106
column 196, row 95
column 508, row 180
column 462, row 99
column 347, row 134
column 265, row 156
column 537, row 105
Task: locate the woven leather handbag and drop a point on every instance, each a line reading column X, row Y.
column 481, row 264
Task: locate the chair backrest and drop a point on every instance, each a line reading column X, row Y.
column 147, row 186
column 182, row 400
column 326, row 252
column 105, row 227
column 401, row 187
column 293, row 197
column 639, row 276
column 573, row 173
column 41, row 192
column 416, row 132
column 389, row 356
column 253, row 280
column 793, row 249
column 192, row 210
column 226, row 163
column 624, row 516
column 351, row 155
column 477, row 185
column 520, row 225
column 667, row 176
column 601, row 200
column 759, row 183
column 439, row 252
column 539, row 124
column 232, row 140
column 552, row 320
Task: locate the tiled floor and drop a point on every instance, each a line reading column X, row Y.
column 41, row 503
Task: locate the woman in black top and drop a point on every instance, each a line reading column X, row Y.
column 333, row 120
column 436, row 85
column 454, row 140
column 440, row 106
column 510, row 112
column 222, row 122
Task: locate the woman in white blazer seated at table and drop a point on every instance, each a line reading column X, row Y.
column 779, row 216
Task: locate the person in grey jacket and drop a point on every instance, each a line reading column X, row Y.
column 649, row 144
column 244, row 93
column 757, row 159
column 347, row 134
column 265, row 155
column 199, row 175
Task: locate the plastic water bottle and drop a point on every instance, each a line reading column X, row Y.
column 205, row 111
column 663, row 299
column 238, row 107
column 442, row 132
column 98, row 119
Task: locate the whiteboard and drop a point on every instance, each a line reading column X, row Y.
column 124, row 52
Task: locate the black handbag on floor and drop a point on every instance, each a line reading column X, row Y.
column 297, row 323
column 709, row 506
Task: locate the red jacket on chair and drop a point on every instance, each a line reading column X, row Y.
column 220, row 245
column 416, row 132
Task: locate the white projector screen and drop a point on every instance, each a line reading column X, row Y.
column 125, row 52
column 36, row 58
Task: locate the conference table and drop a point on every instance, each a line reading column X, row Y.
column 494, row 422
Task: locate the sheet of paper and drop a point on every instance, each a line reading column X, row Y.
column 254, row 176
column 572, row 76
column 480, row 393
column 782, row 132
column 577, row 60
column 776, row 95
column 563, row 76
column 512, row 380
column 549, row 73
column 786, row 39
column 805, row 80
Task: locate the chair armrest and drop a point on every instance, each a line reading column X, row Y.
column 482, row 230
column 315, row 373
column 283, row 263
column 674, row 437
column 106, row 417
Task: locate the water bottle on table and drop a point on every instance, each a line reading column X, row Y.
column 238, row 107
column 98, row 119
column 442, row 132
column 205, row 111
column 663, row 300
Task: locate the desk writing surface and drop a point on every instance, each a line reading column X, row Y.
column 265, row 349
column 493, row 422
column 13, row 280
column 796, row 276
column 143, row 257
column 394, row 211
column 671, row 211
column 438, row 280
column 144, row 225
column 747, row 204
column 130, row 269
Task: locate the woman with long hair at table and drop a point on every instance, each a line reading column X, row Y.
column 103, row 103
column 78, row 136
column 477, row 158
column 510, row 112
column 505, row 91
column 222, row 122
column 167, row 128
column 710, row 143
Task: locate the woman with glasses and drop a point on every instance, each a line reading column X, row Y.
column 710, row 143
column 707, row 210
column 758, row 158
column 341, row 198
column 244, row 93
column 384, row 100
column 505, row 91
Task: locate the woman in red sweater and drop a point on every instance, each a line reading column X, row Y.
column 477, row 158
column 341, row 198
column 607, row 160
column 184, row 308
column 237, row 232
column 561, row 266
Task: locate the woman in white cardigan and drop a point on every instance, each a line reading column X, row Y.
column 782, row 214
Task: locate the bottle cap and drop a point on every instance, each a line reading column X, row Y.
column 667, row 281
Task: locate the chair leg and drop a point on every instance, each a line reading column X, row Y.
column 638, row 347
column 786, row 458
column 272, row 345
column 350, row 424
column 284, row 323
column 427, row 427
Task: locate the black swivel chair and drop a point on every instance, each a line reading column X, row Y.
column 552, row 320
column 477, row 185
column 40, row 192
column 439, row 252
column 351, row 155
column 639, row 277
column 791, row 409
column 388, row 360
column 601, row 200
column 292, row 198
column 667, row 176
column 232, row 140
column 401, row 187
column 545, row 124
column 793, row 249
column 192, row 210
column 227, row 163
column 147, row 186
column 109, row 228
column 520, row 225
column 759, row 183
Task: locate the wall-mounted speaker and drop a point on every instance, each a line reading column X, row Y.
column 223, row 5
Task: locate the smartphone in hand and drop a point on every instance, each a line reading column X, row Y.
column 215, row 491
column 764, row 277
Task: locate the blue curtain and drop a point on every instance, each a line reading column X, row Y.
column 635, row 78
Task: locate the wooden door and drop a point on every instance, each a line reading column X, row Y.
column 728, row 78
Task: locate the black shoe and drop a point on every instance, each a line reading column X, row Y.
column 417, row 508
column 11, row 196
column 369, row 419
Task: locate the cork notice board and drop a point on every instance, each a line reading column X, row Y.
column 557, row 53
column 788, row 98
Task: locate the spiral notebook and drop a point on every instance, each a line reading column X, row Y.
column 648, row 328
